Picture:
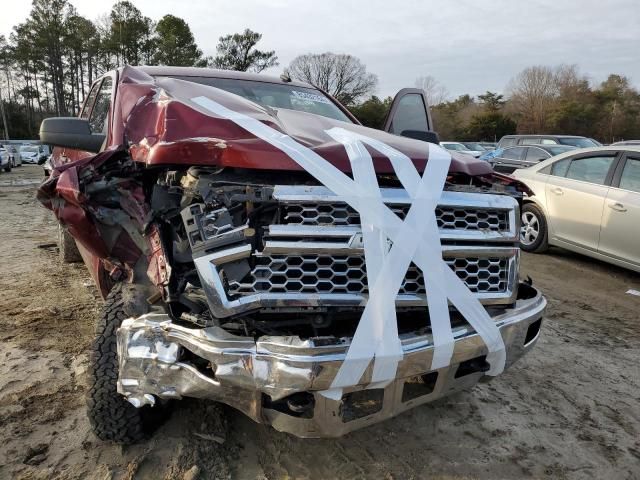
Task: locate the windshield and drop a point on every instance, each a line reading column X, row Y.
column 29, row 149
column 577, row 142
column 455, row 146
column 560, row 149
column 474, row 146
column 277, row 95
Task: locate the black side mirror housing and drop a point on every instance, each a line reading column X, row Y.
column 70, row 132
column 424, row 135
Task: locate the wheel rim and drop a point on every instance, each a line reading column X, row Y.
column 530, row 228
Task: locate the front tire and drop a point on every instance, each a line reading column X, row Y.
column 533, row 230
column 112, row 417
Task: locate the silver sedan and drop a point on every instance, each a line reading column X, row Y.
column 585, row 200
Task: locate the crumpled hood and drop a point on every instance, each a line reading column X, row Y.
column 163, row 126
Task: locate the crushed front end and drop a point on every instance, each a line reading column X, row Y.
column 268, row 282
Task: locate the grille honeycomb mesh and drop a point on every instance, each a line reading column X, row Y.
column 449, row 218
column 347, row 274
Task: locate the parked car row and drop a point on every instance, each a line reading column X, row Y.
column 506, row 160
column 476, row 149
column 510, row 159
column 627, row 142
column 12, row 155
column 571, row 140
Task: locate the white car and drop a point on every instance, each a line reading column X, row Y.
column 585, row 200
column 460, row 148
column 32, row 153
column 16, row 158
column 6, row 161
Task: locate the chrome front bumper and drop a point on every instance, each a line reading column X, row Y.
column 278, row 380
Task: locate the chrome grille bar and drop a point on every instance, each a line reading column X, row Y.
column 460, row 215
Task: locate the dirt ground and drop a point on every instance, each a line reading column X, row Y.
column 570, row 409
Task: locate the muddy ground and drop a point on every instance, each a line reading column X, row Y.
column 570, row 409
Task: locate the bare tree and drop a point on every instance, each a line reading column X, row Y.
column 435, row 91
column 570, row 83
column 343, row 76
column 533, row 92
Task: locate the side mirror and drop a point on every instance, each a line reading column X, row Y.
column 70, row 132
column 425, row 136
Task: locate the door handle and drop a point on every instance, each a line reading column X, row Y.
column 557, row 191
column 617, row 206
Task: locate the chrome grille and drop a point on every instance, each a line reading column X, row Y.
column 348, row 274
column 312, row 254
column 448, row 218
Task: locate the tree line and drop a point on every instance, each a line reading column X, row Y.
column 49, row 62
column 540, row 99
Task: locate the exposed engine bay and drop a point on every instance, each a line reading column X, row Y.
column 154, row 223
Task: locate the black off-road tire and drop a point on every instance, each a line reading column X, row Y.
column 541, row 242
column 69, row 252
column 112, row 417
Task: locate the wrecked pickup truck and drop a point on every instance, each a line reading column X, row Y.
column 232, row 274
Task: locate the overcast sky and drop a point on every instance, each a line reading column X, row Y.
column 470, row 46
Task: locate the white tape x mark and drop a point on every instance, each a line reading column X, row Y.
column 414, row 239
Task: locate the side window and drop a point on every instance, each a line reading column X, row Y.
column 514, row 153
column 546, row 170
column 507, row 142
column 529, row 141
column 88, row 103
column 630, row 179
column 100, row 113
column 548, row 141
column 535, row 154
column 411, row 114
column 590, row 169
column 559, row 168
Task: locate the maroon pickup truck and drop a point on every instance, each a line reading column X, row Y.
column 231, row 274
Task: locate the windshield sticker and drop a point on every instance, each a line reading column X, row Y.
column 311, row 97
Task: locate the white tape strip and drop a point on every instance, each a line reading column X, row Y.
column 433, row 179
column 416, row 238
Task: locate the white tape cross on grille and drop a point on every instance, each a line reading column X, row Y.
column 415, row 239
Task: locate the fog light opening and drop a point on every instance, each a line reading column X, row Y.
column 361, row 403
column 475, row 365
column 299, row 404
column 419, row 386
column 532, row 332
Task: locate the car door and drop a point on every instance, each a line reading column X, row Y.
column 533, row 156
column 620, row 226
column 509, row 160
column 409, row 116
column 575, row 197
